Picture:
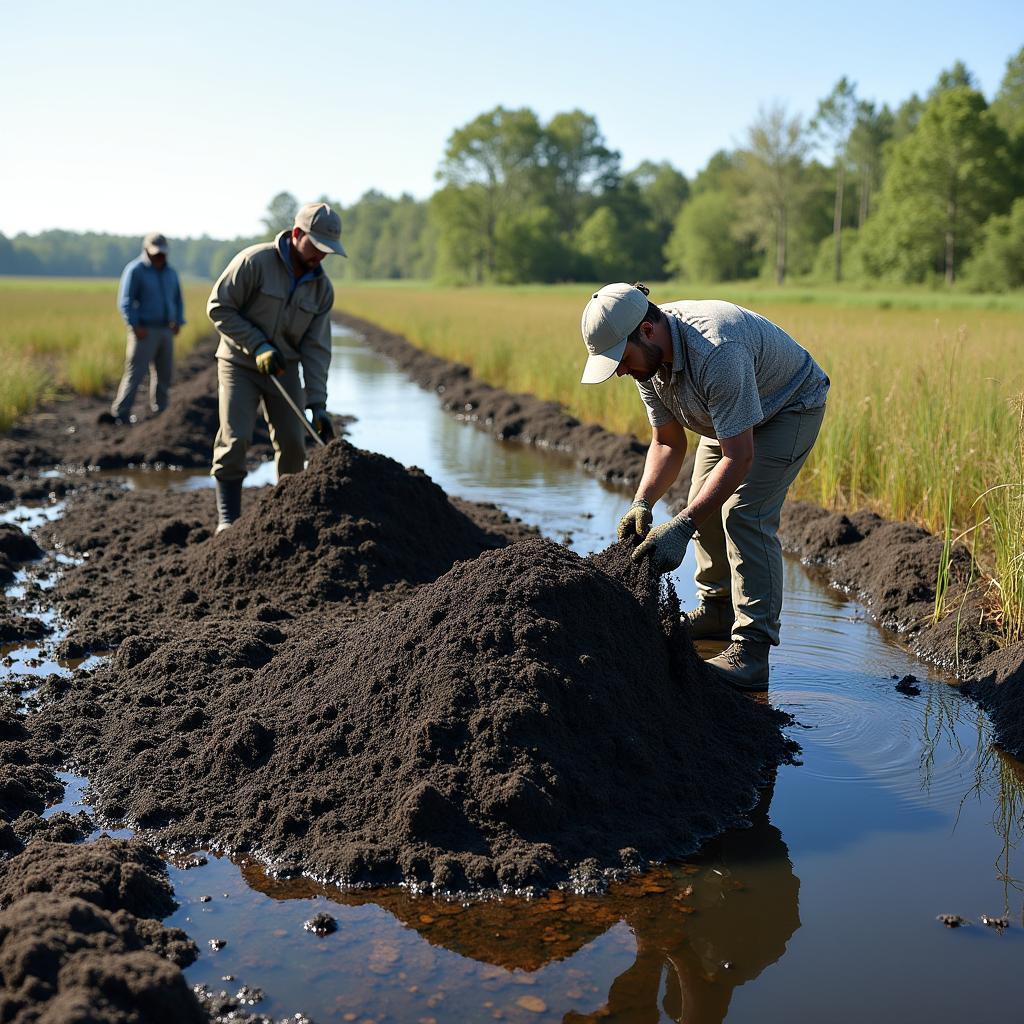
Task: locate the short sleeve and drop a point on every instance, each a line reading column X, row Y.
column 657, row 412
column 731, row 389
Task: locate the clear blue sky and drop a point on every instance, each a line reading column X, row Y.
column 188, row 117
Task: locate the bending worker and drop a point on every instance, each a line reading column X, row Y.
column 757, row 399
column 149, row 298
column 272, row 308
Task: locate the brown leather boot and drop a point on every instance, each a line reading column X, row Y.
column 744, row 665
column 711, row 620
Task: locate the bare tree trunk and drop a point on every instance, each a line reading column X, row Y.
column 837, row 220
column 950, row 241
column 780, row 246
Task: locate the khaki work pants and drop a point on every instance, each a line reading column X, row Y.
column 739, row 556
column 241, row 392
column 153, row 354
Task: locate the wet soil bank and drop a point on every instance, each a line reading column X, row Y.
column 81, row 941
column 16, row 548
column 361, row 683
column 891, row 566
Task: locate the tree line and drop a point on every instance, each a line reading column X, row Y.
column 931, row 191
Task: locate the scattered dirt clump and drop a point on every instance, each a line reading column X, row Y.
column 524, row 719
column 75, row 946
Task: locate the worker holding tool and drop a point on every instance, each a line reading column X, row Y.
column 756, row 399
column 272, row 308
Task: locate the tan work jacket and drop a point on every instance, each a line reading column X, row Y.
column 253, row 302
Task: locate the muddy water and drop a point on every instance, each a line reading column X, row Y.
column 824, row 910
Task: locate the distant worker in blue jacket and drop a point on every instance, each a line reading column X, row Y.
column 149, row 299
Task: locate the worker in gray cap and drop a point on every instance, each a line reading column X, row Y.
column 149, row 298
column 756, row 399
column 272, row 309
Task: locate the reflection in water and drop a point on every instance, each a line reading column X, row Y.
column 700, row 929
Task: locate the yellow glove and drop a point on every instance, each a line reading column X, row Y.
column 638, row 519
column 666, row 544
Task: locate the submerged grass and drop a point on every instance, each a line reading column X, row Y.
column 67, row 333
column 924, row 416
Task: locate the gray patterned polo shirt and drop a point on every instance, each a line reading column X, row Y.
column 731, row 369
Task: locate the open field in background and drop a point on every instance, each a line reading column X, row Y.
column 924, row 413
column 67, row 333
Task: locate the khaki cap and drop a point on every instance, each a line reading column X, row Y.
column 322, row 225
column 612, row 314
column 153, row 243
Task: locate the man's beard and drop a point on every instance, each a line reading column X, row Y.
column 652, row 360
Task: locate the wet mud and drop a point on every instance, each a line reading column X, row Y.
column 80, row 938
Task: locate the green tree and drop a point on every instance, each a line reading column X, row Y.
column 490, row 166
column 944, row 180
column 833, row 123
column 280, row 215
column 707, row 242
column 577, row 164
column 864, row 150
column 997, row 263
column 663, row 190
column 772, row 171
column 1008, row 104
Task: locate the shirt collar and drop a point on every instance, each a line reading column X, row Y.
column 676, row 329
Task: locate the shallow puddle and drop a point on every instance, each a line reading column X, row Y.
column 824, row 909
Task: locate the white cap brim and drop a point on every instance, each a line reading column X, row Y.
column 327, row 245
column 602, row 365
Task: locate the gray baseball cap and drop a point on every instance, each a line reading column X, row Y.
column 153, row 243
column 322, row 225
column 611, row 315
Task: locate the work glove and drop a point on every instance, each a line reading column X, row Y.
column 322, row 423
column 268, row 360
column 666, row 544
column 638, row 519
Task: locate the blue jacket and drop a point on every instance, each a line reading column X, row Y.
column 148, row 296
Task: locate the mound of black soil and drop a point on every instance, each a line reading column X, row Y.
column 79, row 940
column 353, row 524
column 524, row 718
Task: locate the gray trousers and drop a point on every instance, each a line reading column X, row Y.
column 154, row 354
column 241, row 392
column 739, row 556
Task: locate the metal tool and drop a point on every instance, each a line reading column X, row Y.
column 298, row 412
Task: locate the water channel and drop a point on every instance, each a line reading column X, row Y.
column 824, row 910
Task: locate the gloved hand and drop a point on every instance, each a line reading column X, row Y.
column 666, row 544
column 322, row 423
column 638, row 519
column 269, row 360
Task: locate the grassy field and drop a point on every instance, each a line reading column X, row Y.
column 67, row 333
column 925, row 413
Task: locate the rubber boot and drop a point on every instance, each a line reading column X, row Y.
column 229, row 502
column 743, row 665
column 712, row 619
